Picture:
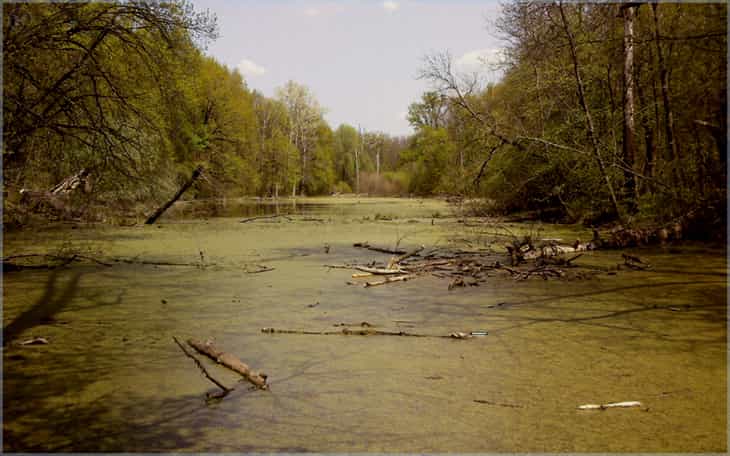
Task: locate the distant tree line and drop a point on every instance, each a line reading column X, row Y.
column 604, row 111
column 126, row 91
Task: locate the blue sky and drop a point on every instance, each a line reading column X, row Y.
column 359, row 58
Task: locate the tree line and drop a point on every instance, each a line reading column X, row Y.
column 604, row 111
column 126, row 91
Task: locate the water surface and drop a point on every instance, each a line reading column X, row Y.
column 112, row 379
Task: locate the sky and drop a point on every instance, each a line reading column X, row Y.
column 360, row 58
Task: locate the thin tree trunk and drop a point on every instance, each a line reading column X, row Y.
column 671, row 152
column 629, row 146
column 358, row 149
column 648, row 129
column 586, row 111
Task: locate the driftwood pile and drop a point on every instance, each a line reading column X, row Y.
column 57, row 200
column 524, row 260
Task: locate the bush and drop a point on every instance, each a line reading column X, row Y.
column 342, row 187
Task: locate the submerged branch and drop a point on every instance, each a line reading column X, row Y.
column 225, row 389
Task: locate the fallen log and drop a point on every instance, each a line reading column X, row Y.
column 230, row 361
column 365, row 331
column 339, row 266
column 224, row 388
column 161, row 210
column 365, row 245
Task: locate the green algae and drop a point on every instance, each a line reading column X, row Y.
column 113, row 380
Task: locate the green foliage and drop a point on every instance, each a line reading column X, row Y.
column 550, row 134
column 342, row 187
column 428, row 157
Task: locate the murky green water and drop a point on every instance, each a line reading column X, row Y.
column 112, row 379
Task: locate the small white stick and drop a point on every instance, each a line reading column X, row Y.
column 613, row 404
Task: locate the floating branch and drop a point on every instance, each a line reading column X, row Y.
column 265, row 217
column 379, row 271
column 229, row 361
column 365, row 245
column 605, row 406
column 364, row 331
column 387, row 280
column 224, row 388
column 158, row 263
column 260, row 269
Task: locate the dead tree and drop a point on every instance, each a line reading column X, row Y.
column 153, row 218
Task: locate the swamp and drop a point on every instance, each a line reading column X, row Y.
column 112, row 379
column 363, row 226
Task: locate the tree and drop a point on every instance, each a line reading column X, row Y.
column 70, row 96
column 628, row 10
column 431, row 111
column 305, row 115
column 346, row 145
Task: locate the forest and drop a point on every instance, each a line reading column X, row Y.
column 604, row 112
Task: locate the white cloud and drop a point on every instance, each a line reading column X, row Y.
column 390, row 6
column 480, row 58
column 324, row 9
column 250, row 68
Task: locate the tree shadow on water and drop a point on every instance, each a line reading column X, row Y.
column 54, row 299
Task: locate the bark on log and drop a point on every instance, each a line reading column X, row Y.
column 229, row 361
column 153, row 218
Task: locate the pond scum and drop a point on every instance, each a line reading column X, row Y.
column 511, row 338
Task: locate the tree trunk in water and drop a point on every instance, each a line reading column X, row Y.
column 586, row 111
column 153, row 218
column 629, row 148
